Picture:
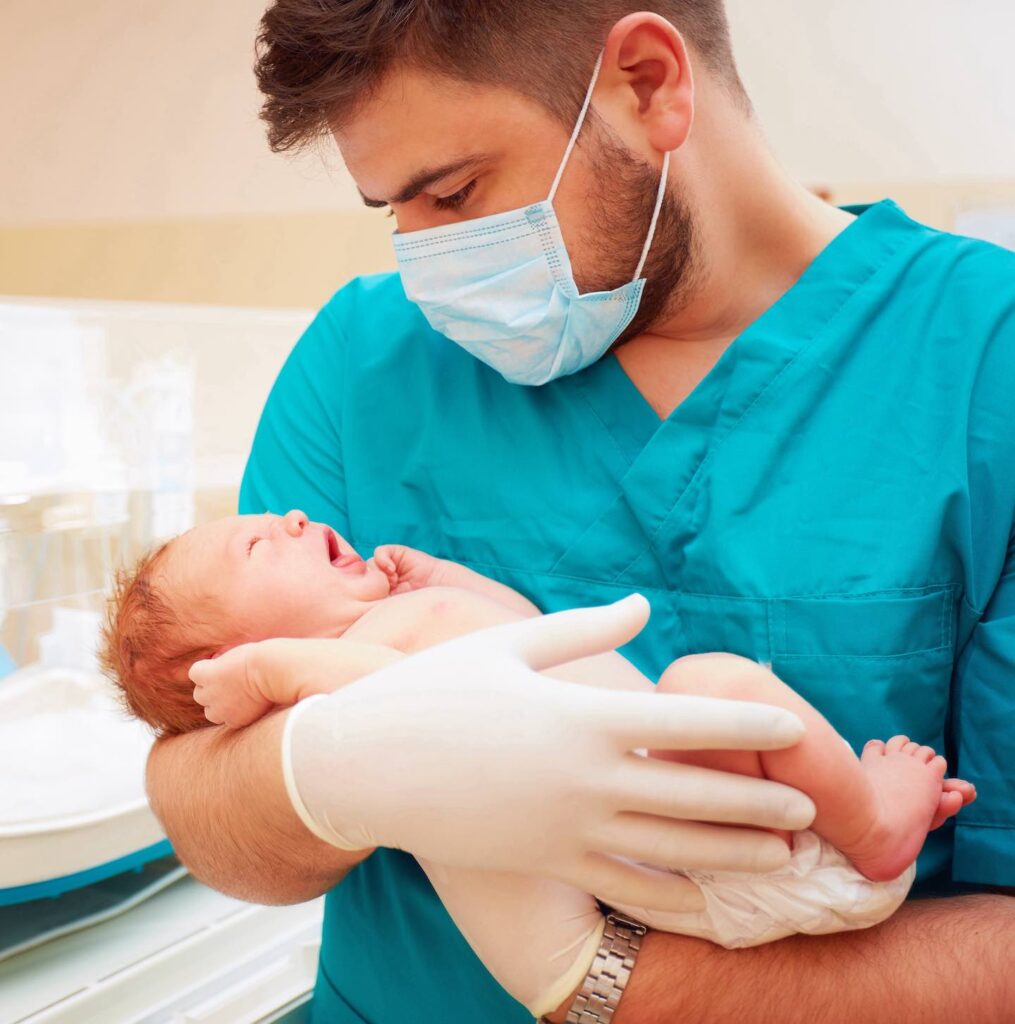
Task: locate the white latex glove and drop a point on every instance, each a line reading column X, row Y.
column 536, row 936
column 463, row 755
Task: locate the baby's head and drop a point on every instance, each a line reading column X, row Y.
column 233, row 581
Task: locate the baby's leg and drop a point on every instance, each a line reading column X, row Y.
column 876, row 810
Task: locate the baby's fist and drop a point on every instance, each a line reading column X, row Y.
column 225, row 691
column 406, row 568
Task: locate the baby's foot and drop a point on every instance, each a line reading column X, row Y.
column 911, row 799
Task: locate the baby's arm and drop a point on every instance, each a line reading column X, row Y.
column 227, row 703
column 411, row 621
column 409, row 569
column 378, row 641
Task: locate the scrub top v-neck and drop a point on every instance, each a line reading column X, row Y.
column 835, row 498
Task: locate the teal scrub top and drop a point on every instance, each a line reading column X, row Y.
column 835, row 497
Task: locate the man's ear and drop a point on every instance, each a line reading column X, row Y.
column 646, row 88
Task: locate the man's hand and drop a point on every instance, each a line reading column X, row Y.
column 466, row 756
column 406, row 568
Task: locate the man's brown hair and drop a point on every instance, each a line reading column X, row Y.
column 318, row 59
column 147, row 649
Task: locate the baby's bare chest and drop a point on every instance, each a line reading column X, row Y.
column 418, row 619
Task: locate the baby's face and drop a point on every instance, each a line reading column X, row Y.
column 255, row 577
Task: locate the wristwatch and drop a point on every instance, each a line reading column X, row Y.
column 607, row 978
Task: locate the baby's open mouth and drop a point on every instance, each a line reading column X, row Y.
column 335, row 555
column 333, row 547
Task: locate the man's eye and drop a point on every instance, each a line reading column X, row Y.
column 456, row 199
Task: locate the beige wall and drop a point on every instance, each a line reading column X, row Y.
column 297, row 260
column 281, row 260
column 134, row 164
column 141, row 110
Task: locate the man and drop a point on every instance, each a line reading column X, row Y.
column 800, row 447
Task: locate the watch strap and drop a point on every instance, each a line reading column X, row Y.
column 600, row 993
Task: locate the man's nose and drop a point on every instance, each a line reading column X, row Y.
column 294, row 523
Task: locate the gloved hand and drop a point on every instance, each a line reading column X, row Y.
column 465, row 756
column 536, row 936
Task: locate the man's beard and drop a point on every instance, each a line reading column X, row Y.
column 619, row 214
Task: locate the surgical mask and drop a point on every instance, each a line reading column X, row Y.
column 502, row 286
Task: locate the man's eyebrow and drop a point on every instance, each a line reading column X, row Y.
column 424, row 179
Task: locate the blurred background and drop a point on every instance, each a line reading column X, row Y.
column 134, row 164
column 157, row 263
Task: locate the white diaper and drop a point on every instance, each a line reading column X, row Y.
column 817, row 892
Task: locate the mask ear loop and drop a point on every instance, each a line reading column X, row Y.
column 660, row 194
column 655, row 215
column 577, row 127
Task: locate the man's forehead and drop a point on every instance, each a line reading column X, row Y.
column 415, row 122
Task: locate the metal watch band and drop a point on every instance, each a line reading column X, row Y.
column 607, row 978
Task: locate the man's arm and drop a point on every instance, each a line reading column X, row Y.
column 945, row 961
column 221, row 798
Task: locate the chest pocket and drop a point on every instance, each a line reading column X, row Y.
column 874, row 664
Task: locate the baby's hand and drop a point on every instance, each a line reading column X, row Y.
column 226, row 700
column 406, row 568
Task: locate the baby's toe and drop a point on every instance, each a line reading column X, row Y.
column 896, row 744
column 948, row 806
column 925, row 754
column 966, row 789
column 873, row 749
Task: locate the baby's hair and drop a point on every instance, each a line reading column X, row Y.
column 147, row 649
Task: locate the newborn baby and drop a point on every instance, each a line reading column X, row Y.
column 250, row 578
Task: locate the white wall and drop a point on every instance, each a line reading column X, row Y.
column 135, row 109
column 883, row 90
column 91, row 390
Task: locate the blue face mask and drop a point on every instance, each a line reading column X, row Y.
column 502, row 286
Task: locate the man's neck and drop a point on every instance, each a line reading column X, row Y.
column 757, row 231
